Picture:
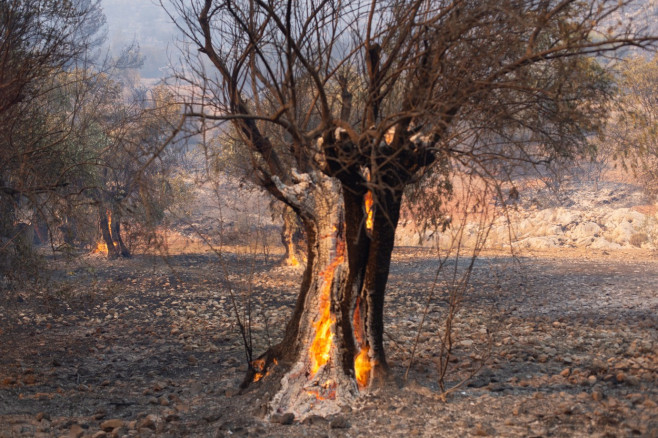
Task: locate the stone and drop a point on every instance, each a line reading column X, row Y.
column 76, row 431
column 339, row 422
column 175, row 417
column 565, row 372
column 285, row 419
column 146, row 422
column 110, row 425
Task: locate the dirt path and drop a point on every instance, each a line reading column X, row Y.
column 134, row 348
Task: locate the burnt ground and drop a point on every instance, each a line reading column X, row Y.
column 563, row 346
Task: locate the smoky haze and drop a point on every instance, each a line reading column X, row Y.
column 146, row 23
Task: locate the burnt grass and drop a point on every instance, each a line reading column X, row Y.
column 543, row 346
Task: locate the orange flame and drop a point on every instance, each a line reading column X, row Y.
column 101, row 246
column 321, row 347
column 370, row 220
column 292, row 260
column 362, row 363
column 363, row 367
column 326, row 391
column 259, row 368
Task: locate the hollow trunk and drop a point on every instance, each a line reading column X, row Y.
column 333, row 344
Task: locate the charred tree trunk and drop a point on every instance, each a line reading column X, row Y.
column 115, row 231
column 104, row 224
column 370, row 302
column 333, row 344
column 316, row 356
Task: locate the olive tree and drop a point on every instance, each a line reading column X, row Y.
column 340, row 106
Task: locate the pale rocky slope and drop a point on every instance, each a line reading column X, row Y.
column 605, row 215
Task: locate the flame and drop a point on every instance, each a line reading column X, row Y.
column 321, row 345
column 292, row 260
column 362, row 363
column 370, row 220
column 326, row 391
column 363, row 367
column 390, row 135
column 101, row 246
column 259, row 366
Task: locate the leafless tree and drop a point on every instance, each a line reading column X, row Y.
column 341, row 105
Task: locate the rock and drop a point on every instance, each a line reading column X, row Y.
column 99, row 434
column 339, row 422
column 649, row 404
column 99, row 414
column 597, row 366
column 483, row 430
column 76, row 431
column 110, row 425
column 314, row 419
column 213, row 417
column 175, row 417
column 146, row 422
column 285, row 419
column 565, row 372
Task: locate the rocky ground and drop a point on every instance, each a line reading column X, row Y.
column 562, row 346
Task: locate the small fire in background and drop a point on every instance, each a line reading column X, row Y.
column 101, row 246
column 292, row 259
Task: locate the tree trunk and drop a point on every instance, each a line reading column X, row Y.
column 115, row 231
column 104, row 223
column 371, row 297
column 333, row 344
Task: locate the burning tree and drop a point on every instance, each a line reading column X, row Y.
column 342, row 105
